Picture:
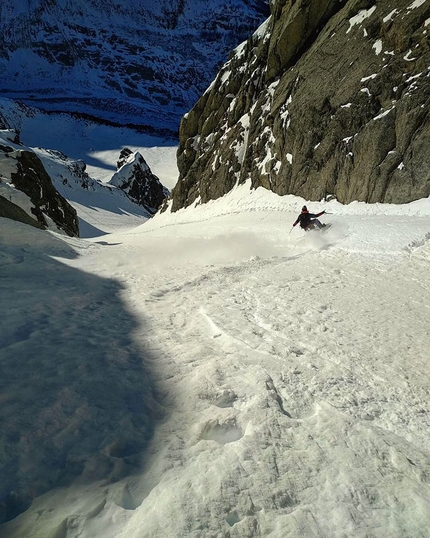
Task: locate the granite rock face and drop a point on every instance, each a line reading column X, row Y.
column 327, row 98
column 27, row 192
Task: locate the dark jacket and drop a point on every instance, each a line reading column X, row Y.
column 305, row 218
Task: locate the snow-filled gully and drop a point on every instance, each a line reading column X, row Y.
column 291, row 372
column 321, row 378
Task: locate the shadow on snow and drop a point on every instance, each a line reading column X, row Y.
column 77, row 398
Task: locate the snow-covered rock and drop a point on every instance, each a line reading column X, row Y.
column 26, row 190
column 135, row 178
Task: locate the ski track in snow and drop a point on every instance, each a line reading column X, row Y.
column 294, row 382
column 333, row 390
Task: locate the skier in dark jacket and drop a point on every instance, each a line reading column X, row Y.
column 309, row 220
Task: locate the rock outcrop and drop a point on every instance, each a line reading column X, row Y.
column 134, row 177
column 27, row 191
column 327, row 98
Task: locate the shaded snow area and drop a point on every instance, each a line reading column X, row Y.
column 98, row 145
column 81, row 161
column 218, row 373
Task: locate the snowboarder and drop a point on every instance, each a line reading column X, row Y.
column 308, row 221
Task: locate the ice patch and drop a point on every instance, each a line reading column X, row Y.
column 370, row 77
column 408, row 58
column 390, row 15
column 414, row 77
column 225, row 76
column 385, row 113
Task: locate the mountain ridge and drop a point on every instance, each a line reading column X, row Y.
column 129, row 62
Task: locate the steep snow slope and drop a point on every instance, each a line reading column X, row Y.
column 133, row 61
column 284, row 375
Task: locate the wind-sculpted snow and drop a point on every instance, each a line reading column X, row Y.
column 291, row 368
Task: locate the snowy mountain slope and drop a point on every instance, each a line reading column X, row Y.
column 101, row 207
column 27, row 192
column 95, row 143
column 67, row 181
column 136, row 62
column 291, row 370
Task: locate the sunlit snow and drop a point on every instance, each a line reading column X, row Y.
column 416, row 3
column 221, row 373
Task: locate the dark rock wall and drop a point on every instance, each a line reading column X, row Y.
column 31, row 178
column 136, row 179
column 329, row 98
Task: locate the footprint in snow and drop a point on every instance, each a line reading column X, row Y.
column 226, row 399
column 227, row 432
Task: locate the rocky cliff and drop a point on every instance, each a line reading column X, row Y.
column 327, row 98
column 26, row 190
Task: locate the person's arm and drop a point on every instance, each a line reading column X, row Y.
column 319, row 214
column 297, row 221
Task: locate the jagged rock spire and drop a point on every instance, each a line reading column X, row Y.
column 134, row 177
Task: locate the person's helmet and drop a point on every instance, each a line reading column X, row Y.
column 304, row 208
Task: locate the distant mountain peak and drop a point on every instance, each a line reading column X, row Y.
column 134, row 177
column 130, row 62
